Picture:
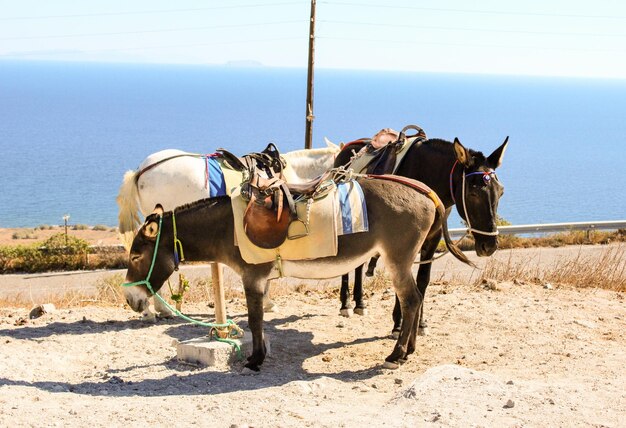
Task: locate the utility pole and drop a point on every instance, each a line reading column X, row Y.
column 308, row 135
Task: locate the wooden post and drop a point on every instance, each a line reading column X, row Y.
column 218, row 293
column 308, row 135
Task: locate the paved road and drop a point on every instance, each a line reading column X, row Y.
column 34, row 288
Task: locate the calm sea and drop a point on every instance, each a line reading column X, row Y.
column 68, row 131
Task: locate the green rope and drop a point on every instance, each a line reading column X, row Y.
column 229, row 323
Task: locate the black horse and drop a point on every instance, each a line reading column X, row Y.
column 459, row 176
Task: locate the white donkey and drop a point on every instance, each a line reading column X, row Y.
column 173, row 177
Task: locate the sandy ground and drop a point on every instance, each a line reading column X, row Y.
column 520, row 355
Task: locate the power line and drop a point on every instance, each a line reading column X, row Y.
column 466, row 45
column 139, row 48
column 146, row 12
column 473, row 11
column 163, row 30
column 482, row 30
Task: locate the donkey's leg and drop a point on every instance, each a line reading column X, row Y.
column 423, row 276
column 344, row 295
column 268, row 303
column 397, row 319
column 254, row 288
column 371, row 266
column 410, row 301
column 360, row 308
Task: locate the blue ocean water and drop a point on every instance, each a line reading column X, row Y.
column 69, row 131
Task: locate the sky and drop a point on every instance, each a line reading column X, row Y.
column 531, row 37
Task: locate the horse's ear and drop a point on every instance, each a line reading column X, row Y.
column 462, row 154
column 151, row 229
column 331, row 145
column 158, row 209
column 495, row 159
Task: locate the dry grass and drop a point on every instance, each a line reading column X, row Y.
column 608, row 271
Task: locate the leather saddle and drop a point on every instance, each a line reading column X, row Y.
column 271, row 207
column 385, row 145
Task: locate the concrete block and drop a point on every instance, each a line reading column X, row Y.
column 210, row 352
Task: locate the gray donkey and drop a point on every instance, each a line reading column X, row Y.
column 402, row 213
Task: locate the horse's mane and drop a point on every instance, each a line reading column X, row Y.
column 201, row 203
column 308, row 152
column 444, row 146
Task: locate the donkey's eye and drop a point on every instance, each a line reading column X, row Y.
column 135, row 257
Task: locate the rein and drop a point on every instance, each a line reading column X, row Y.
column 233, row 330
column 487, row 178
column 193, row 155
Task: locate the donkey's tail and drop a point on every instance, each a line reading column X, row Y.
column 456, row 251
column 128, row 202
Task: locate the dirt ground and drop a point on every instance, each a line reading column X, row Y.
column 519, row 355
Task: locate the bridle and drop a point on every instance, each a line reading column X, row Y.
column 233, row 331
column 487, row 177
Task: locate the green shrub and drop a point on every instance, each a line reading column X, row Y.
column 80, row 227
column 100, row 227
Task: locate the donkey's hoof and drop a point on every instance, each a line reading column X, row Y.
column 247, row 371
column 361, row 311
column 346, row 312
column 422, row 331
column 395, row 334
column 391, row 365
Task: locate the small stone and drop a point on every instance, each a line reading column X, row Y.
column 40, row 310
column 490, row 284
column 116, row 380
column 510, row 382
column 398, row 381
column 327, row 358
column 341, row 324
column 548, row 286
column 509, row 404
column 550, row 400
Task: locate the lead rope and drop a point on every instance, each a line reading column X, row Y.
column 234, row 331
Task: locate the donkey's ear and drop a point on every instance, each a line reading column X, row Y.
column 158, row 209
column 462, row 154
column 495, row 159
column 151, row 229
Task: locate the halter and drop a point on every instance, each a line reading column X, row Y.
column 177, row 244
column 234, row 331
column 487, row 179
